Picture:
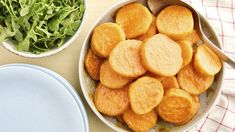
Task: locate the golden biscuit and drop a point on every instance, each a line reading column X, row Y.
column 135, row 19
column 176, row 106
column 151, row 31
column 111, row 102
column 161, row 55
column 97, row 53
column 145, row 94
column 110, row 78
column 206, row 62
column 195, row 108
column 192, row 82
column 175, row 21
column 92, row 65
column 193, row 38
column 105, row 37
column 170, row 82
column 140, row 123
column 187, row 52
column 125, row 59
column 160, row 78
column 196, row 105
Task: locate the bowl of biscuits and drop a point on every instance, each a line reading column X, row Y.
column 149, row 72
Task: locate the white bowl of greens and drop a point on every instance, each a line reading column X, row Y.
column 40, row 28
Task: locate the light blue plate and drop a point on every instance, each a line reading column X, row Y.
column 35, row 99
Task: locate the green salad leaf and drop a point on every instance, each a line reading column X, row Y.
column 39, row 25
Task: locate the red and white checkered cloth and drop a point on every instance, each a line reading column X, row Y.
column 221, row 15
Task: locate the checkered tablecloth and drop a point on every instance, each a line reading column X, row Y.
column 221, row 15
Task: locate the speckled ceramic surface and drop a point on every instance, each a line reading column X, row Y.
column 207, row 99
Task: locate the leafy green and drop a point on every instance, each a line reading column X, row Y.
column 39, row 25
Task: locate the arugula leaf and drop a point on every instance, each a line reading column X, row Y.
column 24, row 11
column 39, row 25
column 5, row 32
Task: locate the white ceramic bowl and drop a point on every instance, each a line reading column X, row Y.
column 88, row 85
column 9, row 45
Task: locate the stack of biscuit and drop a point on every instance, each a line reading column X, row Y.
column 149, row 66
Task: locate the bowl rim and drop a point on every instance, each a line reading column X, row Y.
column 83, row 53
column 25, row 54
